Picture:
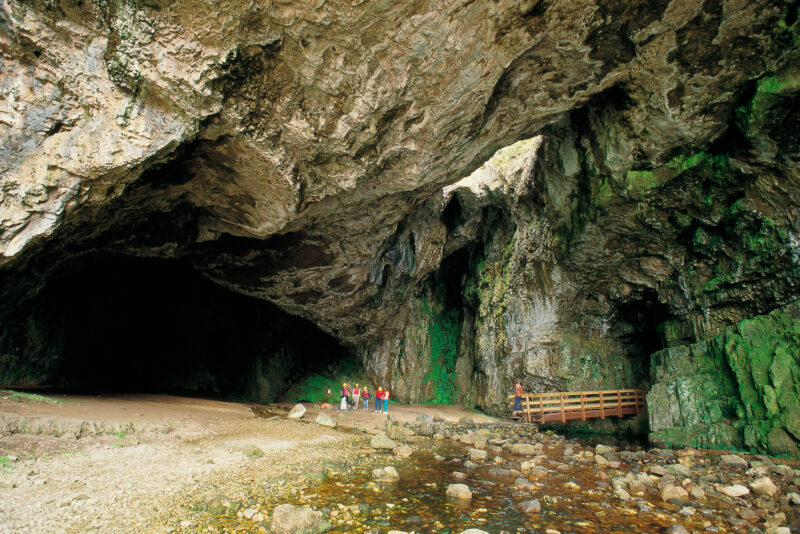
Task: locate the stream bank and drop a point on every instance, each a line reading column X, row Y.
column 216, row 467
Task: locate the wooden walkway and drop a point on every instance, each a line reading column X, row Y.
column 582, row 405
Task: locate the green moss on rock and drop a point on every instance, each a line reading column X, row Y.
column 738, row 389
column 443, row 329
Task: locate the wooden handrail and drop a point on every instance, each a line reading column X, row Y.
column 567, row 405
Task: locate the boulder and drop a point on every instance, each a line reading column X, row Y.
column 325, row 420
column 421, row 418
column 459, row 491
column 297, row 412
column 288, row 519
column 466, row 420
column 381, row 441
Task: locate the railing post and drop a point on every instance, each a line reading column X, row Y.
column 563, row 414
column 619, row 403
column 541, row 407
column 528, row 407
column 583, row 411
column 602, row 408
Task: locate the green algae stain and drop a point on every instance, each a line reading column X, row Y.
column 443, row 330
column 750, row 387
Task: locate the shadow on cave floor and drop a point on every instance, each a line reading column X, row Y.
column 117, row 324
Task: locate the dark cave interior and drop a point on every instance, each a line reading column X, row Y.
column 143, row 325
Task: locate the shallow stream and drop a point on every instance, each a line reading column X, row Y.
column 354, row 502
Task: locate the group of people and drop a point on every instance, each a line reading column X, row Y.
column 352, row 397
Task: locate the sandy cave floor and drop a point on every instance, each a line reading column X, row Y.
column 173, row 449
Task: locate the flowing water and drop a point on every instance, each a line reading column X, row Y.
column 354, row 502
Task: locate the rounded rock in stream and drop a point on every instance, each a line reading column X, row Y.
column 288, row 519
column 473, row 531
column 381, row 441
column 297, row 412
column 731, row 460
column 403, row 451
column 459, row 491
column 530, row 507
column 386, row 474
column 523, row 449
column 477, row 454
column 764, row 486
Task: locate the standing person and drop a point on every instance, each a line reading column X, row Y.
column 356, row 397
column 378, row 399
column 365, row 396
column 345, row 393
column 385, row 401
column 517, row 397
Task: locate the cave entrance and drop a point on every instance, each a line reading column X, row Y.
column 144, row 325
column 642, row 321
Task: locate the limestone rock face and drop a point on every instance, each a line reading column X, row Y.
column 333, row 158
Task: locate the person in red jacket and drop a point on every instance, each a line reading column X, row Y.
column 365, row 396
column 378, row 399
column 385, row 401
column 518, row 391
column 356, row 397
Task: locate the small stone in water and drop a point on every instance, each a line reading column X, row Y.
column 736, row 490
column 459, row 491
column 530, row 507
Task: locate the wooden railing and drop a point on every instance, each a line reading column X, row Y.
column 583, row 405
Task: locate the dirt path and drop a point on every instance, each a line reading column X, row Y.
column 165, row 450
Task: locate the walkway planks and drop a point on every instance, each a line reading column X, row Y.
column 582, row 405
